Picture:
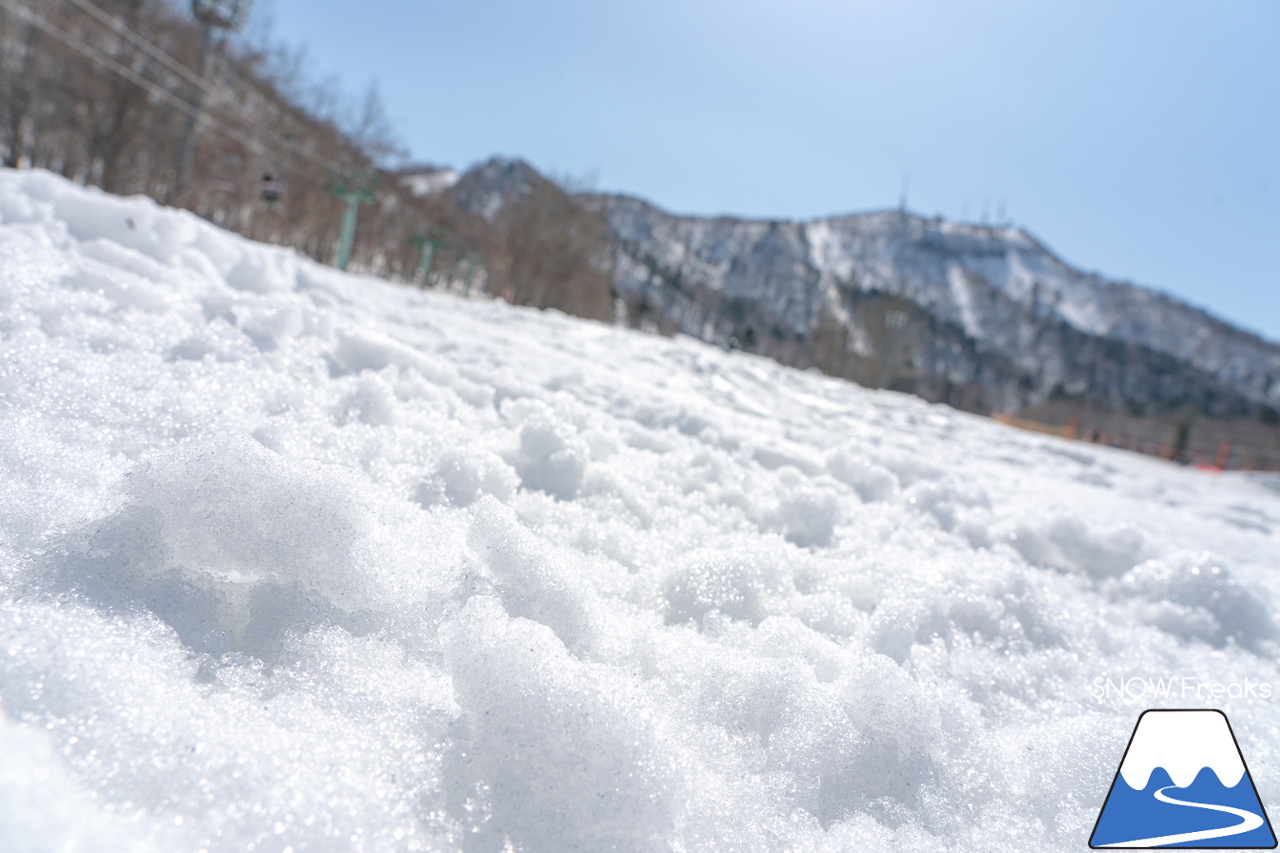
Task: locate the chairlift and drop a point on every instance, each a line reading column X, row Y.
column 270, row 189
column 222, row 14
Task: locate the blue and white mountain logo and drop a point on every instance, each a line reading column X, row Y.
column 1183, row 783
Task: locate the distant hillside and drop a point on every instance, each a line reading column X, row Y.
column 982, row 318
column 977, row 316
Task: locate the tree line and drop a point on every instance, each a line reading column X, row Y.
column 105, row 93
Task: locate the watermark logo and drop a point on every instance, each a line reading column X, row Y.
column 1181, row 688
column 1183, row 783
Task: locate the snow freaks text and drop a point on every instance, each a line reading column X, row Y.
column 1179, row 687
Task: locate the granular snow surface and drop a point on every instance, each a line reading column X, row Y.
column 293, row 560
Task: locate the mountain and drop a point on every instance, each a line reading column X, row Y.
column 981, row 317
column 497, row 184
column 989, row 311
column 1182, row 781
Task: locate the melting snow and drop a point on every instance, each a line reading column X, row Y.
column 296, row 560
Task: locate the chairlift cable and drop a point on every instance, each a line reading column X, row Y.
column 353, row 198
column 152, row 50
column 126, row 72
column 220, row 95
column 93, row 53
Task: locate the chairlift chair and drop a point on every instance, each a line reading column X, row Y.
column 270, row 190
column 221, row 14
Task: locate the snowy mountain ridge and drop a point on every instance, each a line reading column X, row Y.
column 1000, row 287
column 1183, row 743
column 993, row 318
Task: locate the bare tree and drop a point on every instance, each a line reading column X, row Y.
column 371, row 131
column 120, row 111
column 552, row 252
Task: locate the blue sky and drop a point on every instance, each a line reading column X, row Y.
column 1138, row 138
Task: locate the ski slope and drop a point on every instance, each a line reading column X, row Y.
column 1249, row 821
column 294, row 560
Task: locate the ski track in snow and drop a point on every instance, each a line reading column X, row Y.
column 297, row 560
column 1248, row 822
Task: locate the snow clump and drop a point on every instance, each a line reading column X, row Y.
column 297, row 560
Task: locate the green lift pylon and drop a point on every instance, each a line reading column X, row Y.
column 353, row 193
column 471, row 273
column 428, row 245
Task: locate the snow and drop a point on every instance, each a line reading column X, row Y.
column 431, row 181
column 296, row 560
column 1183, row 743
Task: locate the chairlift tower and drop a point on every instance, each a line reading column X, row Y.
column 471, row 272
column 356, row 190
column 428, row 245
column 213, row 15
